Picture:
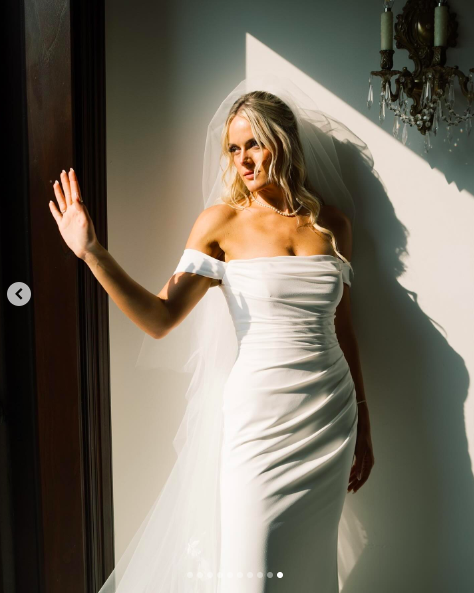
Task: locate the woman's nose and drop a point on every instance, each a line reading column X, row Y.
column 244, row 159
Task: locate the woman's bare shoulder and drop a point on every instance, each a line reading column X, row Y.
column 333, row 215
column 218, row 213
column 212, row 220
column 339, row 223
column 210, row 228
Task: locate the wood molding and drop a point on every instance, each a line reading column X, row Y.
column 89, row 99
column 55, row 380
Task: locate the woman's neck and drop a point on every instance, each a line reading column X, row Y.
column 274, row 197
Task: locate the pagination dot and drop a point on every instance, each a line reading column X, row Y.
column 279, row 575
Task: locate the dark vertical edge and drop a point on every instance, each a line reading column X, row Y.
column 89, row 116
column 21, row 541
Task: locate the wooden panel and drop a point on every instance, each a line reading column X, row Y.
column 54, row 297
column 70, row 399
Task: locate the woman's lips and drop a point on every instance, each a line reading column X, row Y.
column 249, row 175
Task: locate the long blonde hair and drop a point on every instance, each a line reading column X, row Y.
column 274, row 126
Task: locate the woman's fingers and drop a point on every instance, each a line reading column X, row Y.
column 358, row 484
column 354, row 481
column 66, row 188
column 70, row 192
column 360, row 471
column 74, row 186
column 364, row 476
column 59, row 196
column 54, row 211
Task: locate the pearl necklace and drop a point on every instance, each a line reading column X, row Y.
column 276, row 209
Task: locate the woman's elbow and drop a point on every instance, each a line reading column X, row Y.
column 161, row 333
column 163, row 322
column 163, row 330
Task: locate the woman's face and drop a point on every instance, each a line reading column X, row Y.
column 247, row 154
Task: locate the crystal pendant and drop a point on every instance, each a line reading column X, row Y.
column 451, row 93
column 428, row 91
column 439, row 110
column 405, row 106
column 405, row 133
column 382, row 109
column 370, row 98
column 401, row 97
column 427, row 141
column 387, row 91
column 396, row 127
column 435, row 122
column 448, row 134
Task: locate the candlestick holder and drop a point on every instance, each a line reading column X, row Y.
column 386, row 59
column 430, row 85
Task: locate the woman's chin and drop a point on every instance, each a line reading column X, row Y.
column 254, row 185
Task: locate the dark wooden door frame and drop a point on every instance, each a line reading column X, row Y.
column 55, row 420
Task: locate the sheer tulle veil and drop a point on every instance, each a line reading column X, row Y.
column 180, row 536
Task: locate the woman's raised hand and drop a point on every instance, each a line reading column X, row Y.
column 74, row 222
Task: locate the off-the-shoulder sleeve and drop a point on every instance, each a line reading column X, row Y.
column 347, row 273
column 197, row 262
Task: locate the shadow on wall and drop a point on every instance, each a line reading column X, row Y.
column 418, row 503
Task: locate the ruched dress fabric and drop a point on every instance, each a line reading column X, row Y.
column 290, row 418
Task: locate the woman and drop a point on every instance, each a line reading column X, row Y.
column 291, row 417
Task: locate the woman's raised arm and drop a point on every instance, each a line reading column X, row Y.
column 154, row 314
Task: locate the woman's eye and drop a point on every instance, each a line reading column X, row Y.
column 252, row 144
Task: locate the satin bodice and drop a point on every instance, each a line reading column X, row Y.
column 289, row 298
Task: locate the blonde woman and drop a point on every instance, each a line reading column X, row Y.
column 294, row 411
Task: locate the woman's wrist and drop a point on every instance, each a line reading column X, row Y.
column 92, row 254
column 363, row 413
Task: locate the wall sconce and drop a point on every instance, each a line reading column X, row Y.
column 426, row 28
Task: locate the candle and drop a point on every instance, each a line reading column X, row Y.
column 441, row 26
column 387, row 29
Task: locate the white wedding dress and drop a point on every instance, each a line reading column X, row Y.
column 290, row 419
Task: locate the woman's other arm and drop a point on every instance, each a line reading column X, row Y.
column 340, row 225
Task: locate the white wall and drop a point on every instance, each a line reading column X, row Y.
column 169, row 65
